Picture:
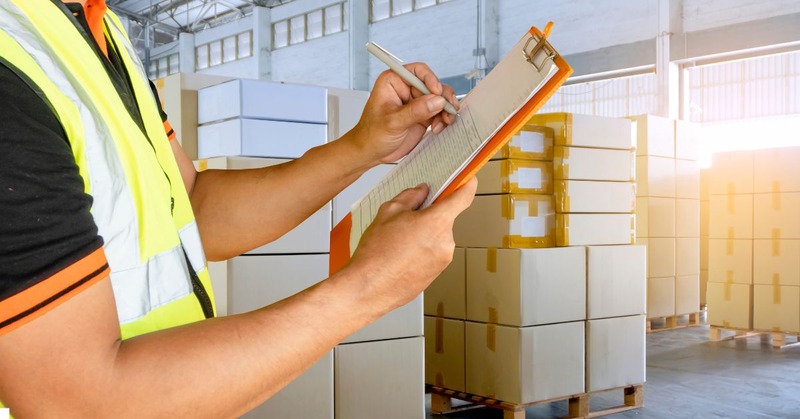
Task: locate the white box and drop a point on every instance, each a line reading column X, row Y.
column 731, row 217
column 615, row 352
column 383, row 379
column 730, row 305
column 447, row 294
column 775, row 170
column 687, row 256
column 776, row 261
column 687, row 218
column 444, row 353
column 655, row 136
column 730, row 261
column 705, row 218
column 588, row 130
column 526, row 287
column 776, row 215
column 776, row 308
column 592, row 229
column 357, row 189
column 687, row 294
column 616, row 281
column 704, row 253
column 262, row 100
column 257, row 138
column 655, row 176
column 525, row 365
column 687, row 140
column 293, row 401
column 575, row 163
column 218, row 271
column 576, row 196
column 515, row 176
column 509, row 221
column 344, row 110
column 660, row 256
column 655, row 217
column 660, row 297
column 731, row 173
column 687, row 179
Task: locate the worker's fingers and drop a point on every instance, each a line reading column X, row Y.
column 418, row 111
column 408, row 200
column 424, row 73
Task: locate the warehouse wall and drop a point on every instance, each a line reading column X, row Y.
column 322, row 61
column 707, row 14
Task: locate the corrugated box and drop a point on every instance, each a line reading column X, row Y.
column 588, row 130
column 509, row 221
column 345, row 107
column 705, row 218
column 577, row 196
column 447, row 294
column 776, row 215
column 575, row 163
column 444, row 353
column 687, row 256
column 776, row 261
column 730, row 260
column 615, row 351
column 526, row 287
column 687, row 218
column 687, row 294
column 705, row 184
column 730, row 305
column 703, row 288
column 616, row 281
column 776, row 308
column 262, row 100
column 257, row 138
column 661, row 297
column 655, row 217
column 655, row 136
column 704, row 253
column 655, row 176
column 731, row 173
column 515, row 176
column 293, row 401
column 731, row 217
column 775, row 170
column 687, row 179
column 530, row 143
column 218, row 271
column 356, row 190
column 383, row 378
column 524, row 365
column 660, row 256
column 595, row 229
column 687, row 140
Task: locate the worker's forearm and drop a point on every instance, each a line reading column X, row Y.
column 239, row 210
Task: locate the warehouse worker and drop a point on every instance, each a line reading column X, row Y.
column 105, row 303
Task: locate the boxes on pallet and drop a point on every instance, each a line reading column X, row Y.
column 730, row 305
column 661, row 297
column 616, row 281
column 576, row 196
column 576, row 163
column 531, row 143
column 687, row 256
column 732, row 216
column 655, row 217
column 660, row 256
column 775, row 170
column 704, row 253
column 526, row 287
column 655, row 176
column 588, row 130
column 687, row 140
column 730, row 261
column 687, row 218
column 776, row 261
column 447, row 294
column 655, row 136
column 515, row 176
column 776, row 215
column 293, row 401
column 262, row 100
column 528, row 364
column 705, row 218
column 341, row 203
column 687, row 294
column 615, row 352
column 776, row 308
column 384, row 376
column 444, row 353
column 590, row 229
column 703, row 288
column 510, row 221
column 687, row 179
column 732, row 173
column 705, row 184
column 258, row 138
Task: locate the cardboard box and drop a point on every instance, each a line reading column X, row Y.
column 447, row 294
column 655, row 136
column 731, row 217
column 775, row 170
column 776, row 215
column 509, row 221
column 660, row 256
column 687, row 140
column 444, row 353
column 218, row 271
column 577, row 196
column 616, row 281
column 358, row 189
column 776, row 261
column 687, row 218
column 655, row 217
column 731, row 173
column 660, row 297
column 705, row 184
column 293, row 401
column 687, row 179
column 703, row 253
column 615, row 352
column 687, row 256
column 515, row 176
column 595, row 229
column 730, row 305
column 532, row 142
column 588, row 130
column 687, row 294
column 258, row 281
column 730, row 260
column 384, row 378
column 526, row 287
column 525, row 365
column 703, row 288
column 655, row 176
column 262, row 100
column 776, row 308
column 257, row 138
column 575, row 163
column 705, row 218
column 345, row 107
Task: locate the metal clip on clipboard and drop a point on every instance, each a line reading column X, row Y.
column 540, row 53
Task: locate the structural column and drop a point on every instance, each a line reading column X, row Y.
column 358, row 34
column 186, row 52
column 262, row 42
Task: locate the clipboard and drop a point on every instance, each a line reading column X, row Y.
column 538, row 60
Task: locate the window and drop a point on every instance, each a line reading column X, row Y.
column 297, row 29
column 381, row 9
column 232, row 48
column 384, row 9
column 244, row 42
column 214, row 53
column 174, row 63
column 280, row 33
column 401, row 6
column 229, row 49
column 421, row 4
column 314, row 22
column 333, row 19
column 312, row 25
column 201, row 57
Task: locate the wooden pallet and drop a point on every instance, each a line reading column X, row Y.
column 674, row 322
column 779, row 339
column 442, row 403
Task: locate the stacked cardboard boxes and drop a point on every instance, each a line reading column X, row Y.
column 705, row 218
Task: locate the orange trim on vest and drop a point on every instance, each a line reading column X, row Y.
column 95, row 10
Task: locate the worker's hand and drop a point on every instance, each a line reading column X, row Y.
column 405, row 249
column 397, row 115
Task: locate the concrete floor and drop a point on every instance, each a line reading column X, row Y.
column 690, row 377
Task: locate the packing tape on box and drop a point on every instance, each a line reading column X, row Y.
column 777, row 329
column 520, row 147
column 560, row 123
column 776, row 242
column 440, row 309
column 439, row 335
column 776, row 201
column 776, row 288
column 729, row 242
column 726, row 324
column 727, row 286
column 561, row 196
column 491, row 259
column 562, row 230
column 525, row 176
column 491, row 337
column 561, row 163
column 202, row 165
column 492, row 315
column 633, row 228
column 508, row 209
column 439, row 380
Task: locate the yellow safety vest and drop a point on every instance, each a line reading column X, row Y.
column 141, row 207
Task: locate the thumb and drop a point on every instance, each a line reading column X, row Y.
column 458, row 201
column 420, row 110
column 408, row 200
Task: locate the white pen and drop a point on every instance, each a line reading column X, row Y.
column 396, row 65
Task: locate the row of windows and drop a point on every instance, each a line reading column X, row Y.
column 315, row 24
column 164, row 66
column 224, row 50
column 384, row 9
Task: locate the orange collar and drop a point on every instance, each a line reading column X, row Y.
column 95, row 10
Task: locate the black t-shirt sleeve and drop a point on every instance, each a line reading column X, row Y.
column 46, row 228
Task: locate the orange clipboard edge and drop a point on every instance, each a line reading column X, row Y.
column 340, row 244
